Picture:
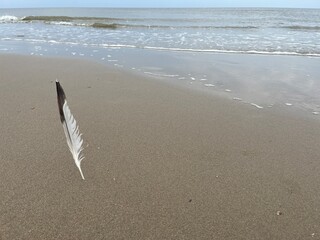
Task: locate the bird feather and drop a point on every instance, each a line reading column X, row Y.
column 70, row 127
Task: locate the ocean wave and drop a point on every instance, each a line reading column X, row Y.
column 63, row 23
column 137, row 19
column 302, row 28
column 187, row 27
column 174, row 49
column 104, row 45
column 114, row 23
column 146, row 23
column 236, row 51
column 8, row 19
column 104, row 25
column 64, row 18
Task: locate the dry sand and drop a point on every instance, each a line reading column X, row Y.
column 161, row 162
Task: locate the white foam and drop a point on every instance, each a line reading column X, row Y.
column 315, row 113
column 203, row 79
column 117, row 46
column 288, row 104
column 62, row 23
column 227, row 90
column 209, row 85
column 237, row 99
column 256, row 105
column 161, row 75
column 232, row 51
column 8, row 18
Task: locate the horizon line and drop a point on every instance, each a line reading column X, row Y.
column 156, row 7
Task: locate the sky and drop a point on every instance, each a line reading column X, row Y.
column 159, row 3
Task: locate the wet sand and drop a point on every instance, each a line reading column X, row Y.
column 161, row 161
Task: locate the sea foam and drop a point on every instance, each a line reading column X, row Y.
column 8, row 18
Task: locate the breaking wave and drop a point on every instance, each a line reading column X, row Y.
column 8, row 19
column 115, row 23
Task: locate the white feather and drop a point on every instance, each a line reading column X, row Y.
column 73, row 136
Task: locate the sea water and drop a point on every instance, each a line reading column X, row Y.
column 264, row 31
column 184, row 45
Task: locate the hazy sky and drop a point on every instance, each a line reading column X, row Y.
column 160, row 3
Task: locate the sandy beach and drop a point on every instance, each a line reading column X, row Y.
column 161, row 161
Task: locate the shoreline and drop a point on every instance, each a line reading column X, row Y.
column 288, row 83
column 162, row 161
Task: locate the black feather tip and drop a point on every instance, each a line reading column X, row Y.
column 61, row 100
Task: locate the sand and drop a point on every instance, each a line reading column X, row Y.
column 161, row 162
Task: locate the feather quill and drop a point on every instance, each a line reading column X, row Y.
column 70, row 128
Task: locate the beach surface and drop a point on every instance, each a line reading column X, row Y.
column 161, row 161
